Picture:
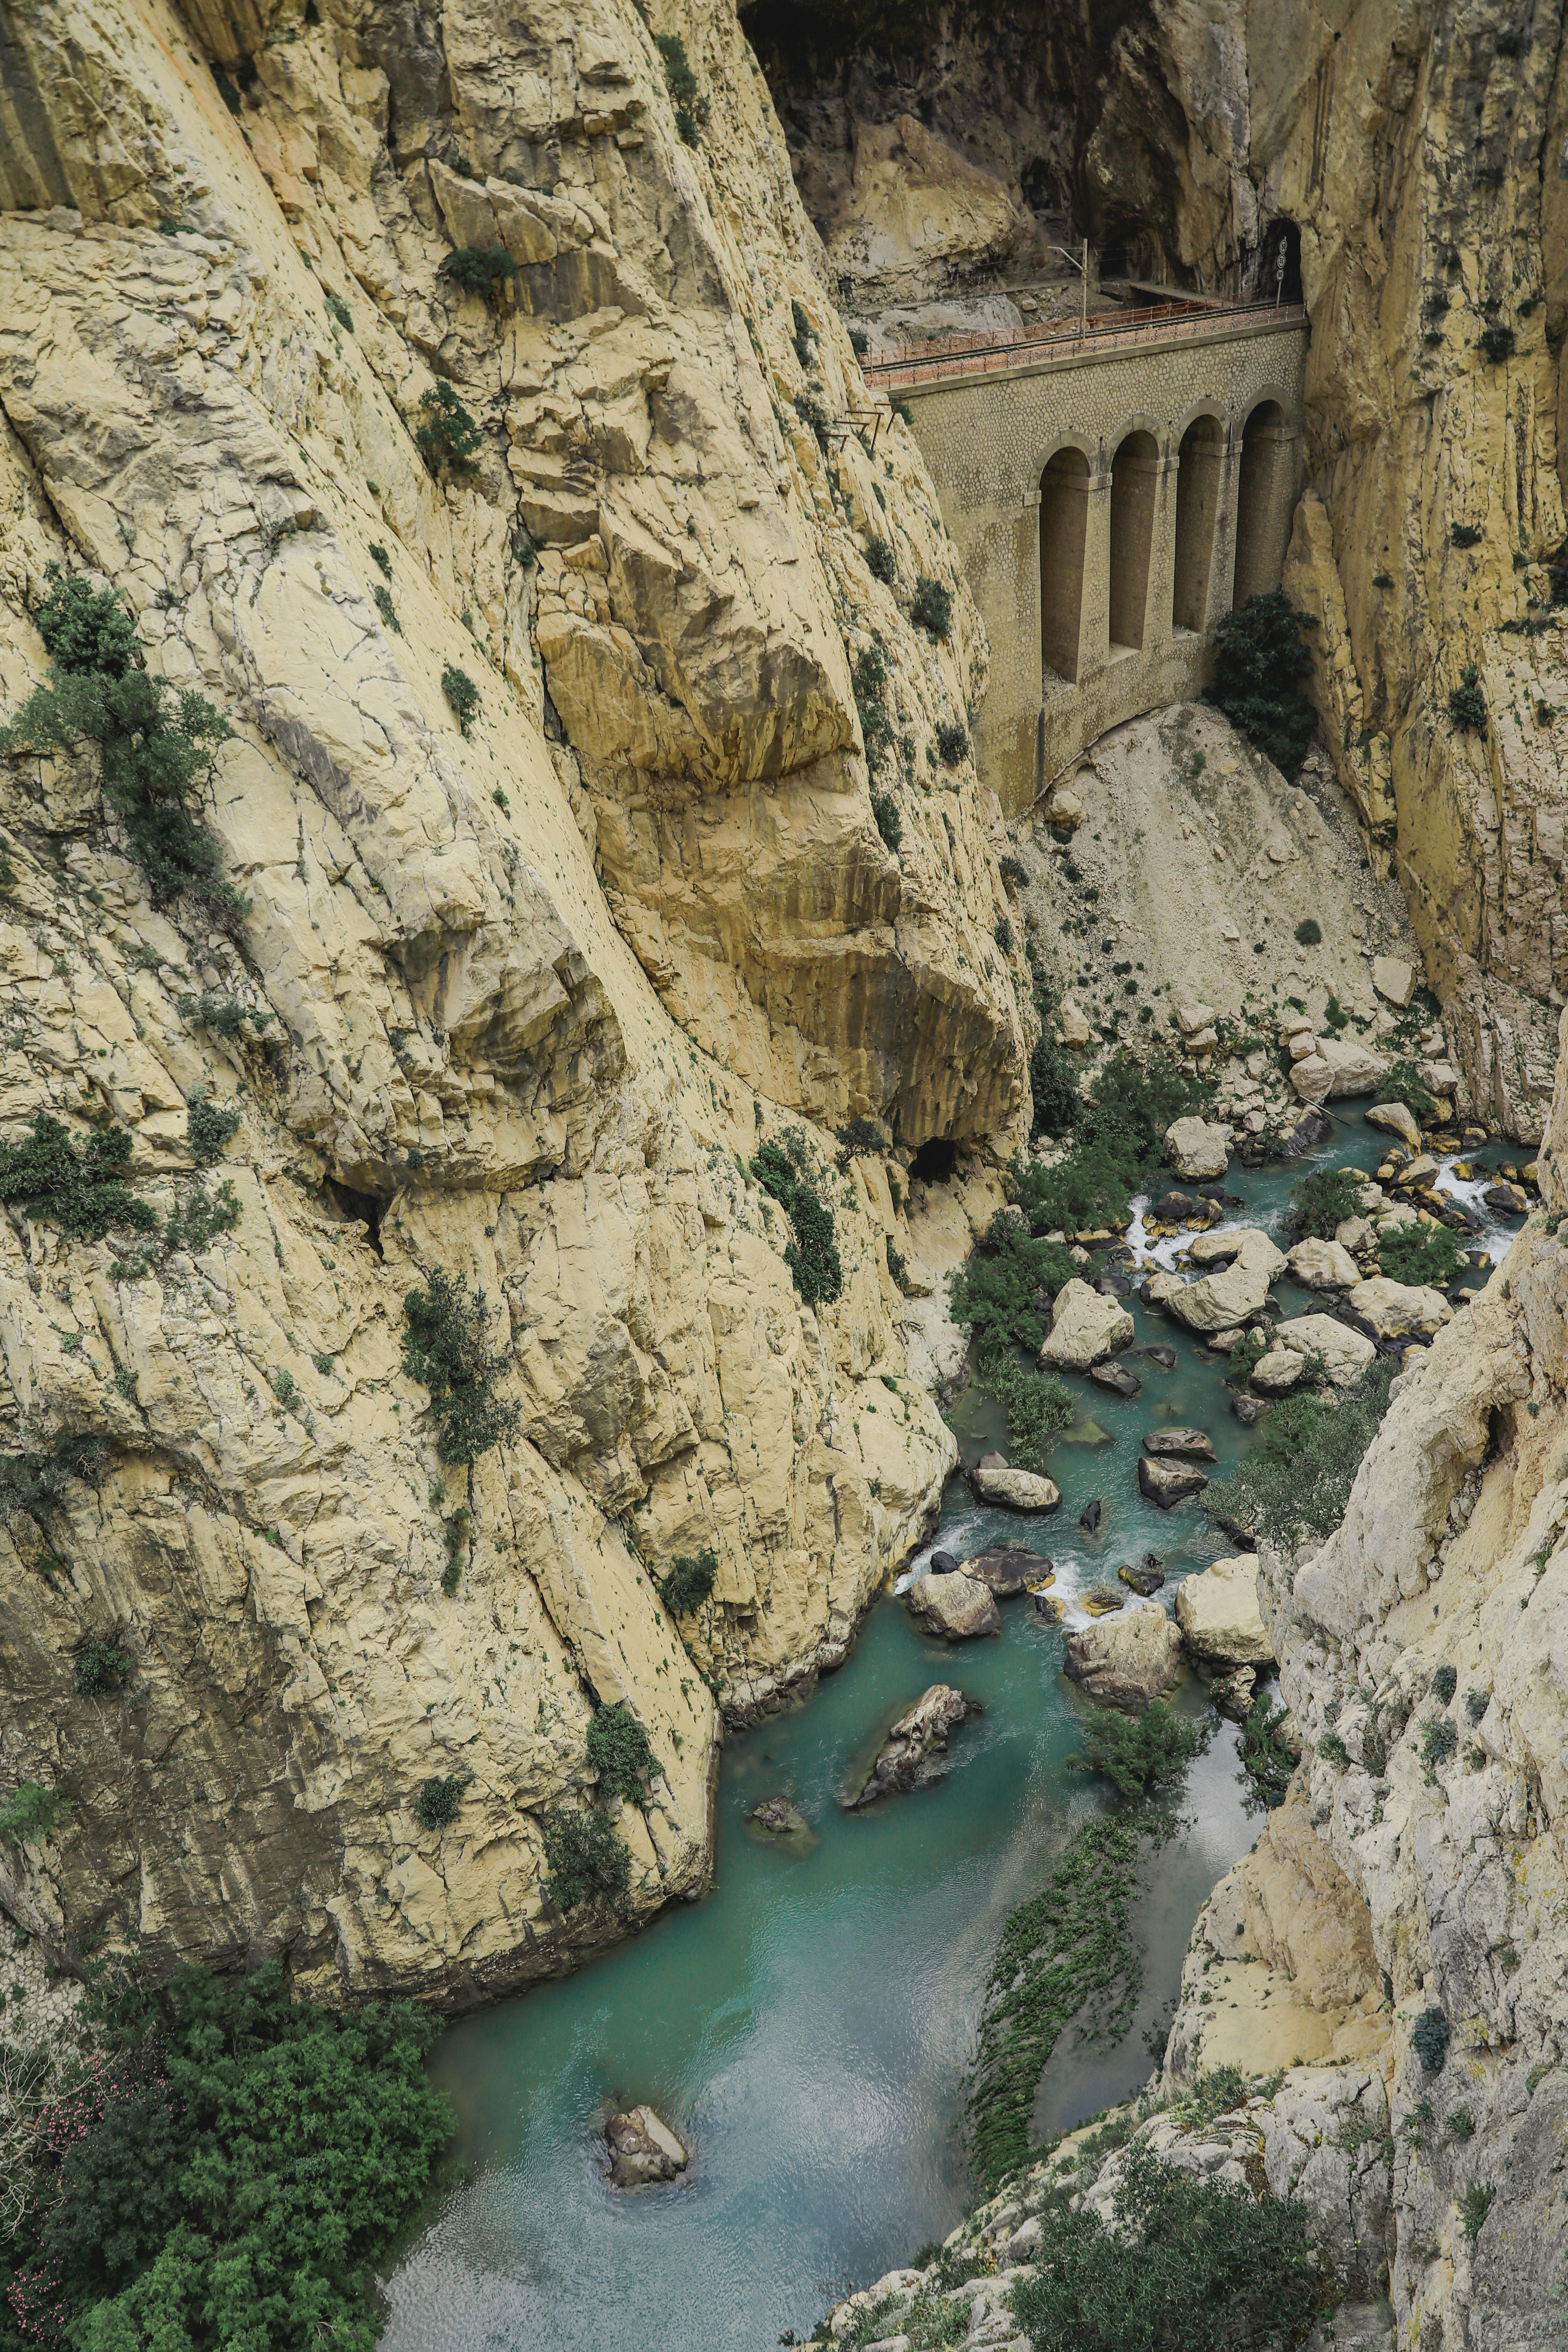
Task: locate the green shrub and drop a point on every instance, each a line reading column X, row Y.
column 869, row 679
column 1037, row 1407
column 1440, row 1740
column 1296, row 1475
column 1445, row 1683
column 995, row 1294
column 691, row 105
column 1403, row 1084
column 880, row 561
column 1246, row 1355
column 1462, row 2124
column 952, row 743
column 338, row 309
column 80, row 1190
column 1429, row 2039
column 446, row 1348
column 234, row 2173
column 1475, row 2204
column 388, row 611
column 1420, row 1254
column 462, row 694
column 1467, row 703
column 805, row 334
column 689, row 1582
column 1142, row 1753
column 1496, row 342
column 1309, row 932
column 1052, row 1085
column 586, row 1860
column 1089, row 1189
column 1002, row 933
column 1190, row 2266
column 481, row 270
column 30, row 1812
column 898, row 1265
column 1267, row 1763
column 1465, row 534
column 860, row 1138
column 619, row 1752
column 224, row 1017
column 448, row 437
column 155, row 743
column 100, row 1667
column 1320, row 1203
column 35, row 1484
column 1013, row 872
column 1260, row 663
column 381, row 557
column 194, row 1224
column 209, row 1125
column 889, row 825
column 931, row 608
column 782, row 1171
column 438, row 1801
column 1065, row 1953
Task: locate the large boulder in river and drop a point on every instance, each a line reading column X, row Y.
column 1219, row 1615
column 643, row 2149
column 1126, row 1659
column 1337, row 1068
column 1195, row 1444
column 1247, row 1245
column 1345, row 1353
column 776, row 1817
column 1323, row 1266
column 1213, row 1303
column 915, row 1752
column 1395, row 1119
column 1086, row 1328
column 1395, row 1310
column 1007, row 1570
column 957, row 1607
column 994, row 1480
column 1168, row 1483
column 1196, row 1147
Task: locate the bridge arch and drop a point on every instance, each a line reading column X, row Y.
column 1264, row 493
column 1067, row 480
column 1135, row 472
column 1200, row 478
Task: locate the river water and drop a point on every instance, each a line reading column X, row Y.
column 805, row 2026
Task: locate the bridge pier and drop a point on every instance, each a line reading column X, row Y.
column 1110, row 506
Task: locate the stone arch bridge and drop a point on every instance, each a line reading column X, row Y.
column 1112, row 492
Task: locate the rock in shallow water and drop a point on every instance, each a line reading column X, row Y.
column 1146, row 1578
column 957, row 1607
column 1008, row 1569
column 995, row 1481
column 1192, row 1443
column 1219, row 1614
column 779, row 1818
column 1117, row 1379
column 1167, row 1483
column 915, row 1751
column 643, row 2149
column 1125, row 1661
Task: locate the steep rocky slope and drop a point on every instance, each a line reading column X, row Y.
column 1409, row 164
column 517, row 1003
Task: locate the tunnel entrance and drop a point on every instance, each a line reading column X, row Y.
column 366, row 1209
column 936, row 1161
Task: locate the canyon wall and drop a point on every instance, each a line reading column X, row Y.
column 1410, row 165
column 515, row 1000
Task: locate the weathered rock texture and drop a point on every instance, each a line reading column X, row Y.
column 520, row 1004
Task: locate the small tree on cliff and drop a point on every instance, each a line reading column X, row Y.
column 1260, row 664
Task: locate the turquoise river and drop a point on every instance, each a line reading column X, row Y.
column 805, row 2026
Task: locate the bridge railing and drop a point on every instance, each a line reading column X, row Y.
column 951, row 356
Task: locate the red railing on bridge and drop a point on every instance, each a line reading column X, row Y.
column 950, row 356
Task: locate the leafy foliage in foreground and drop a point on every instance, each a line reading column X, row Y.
column 155, row 744
column 1142, row 1752
column 1260, row 663
column 783, row 1172
column 1066, row 1953
column 1001, row 1294
column 1321, row 1202
column 1296, row 1475
column 82, row 1190
column 1191, row 2267
column 446, row 1348
column 226, row 2179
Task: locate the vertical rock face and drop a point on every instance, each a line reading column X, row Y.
column 518, row 1002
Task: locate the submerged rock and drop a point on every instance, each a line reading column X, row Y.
column 1195, row 1443
column 1167, row 1483
column 1007, row 1570
column 995, row 1481
column 915, row 1751
column 958, row 1607
column 941, row 1563
column 778, row 1817
column 1089, row 1517
column 643, row 2149
column 1162, row 1354
column 1117, row 1379
column 1125, row 1661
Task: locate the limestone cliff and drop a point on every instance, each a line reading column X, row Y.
column 1407, row 165
column 517, row 999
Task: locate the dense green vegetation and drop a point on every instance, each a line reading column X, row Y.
column 35, row 1482
column 1067, row 1953
column 1320, row 1203
column 462, row 695
column 689, row 1581
column 1039, row 1408
column 439, row 1801
column 619, row 1752
column 1421, row 1253
column 1260, row 668
column 79, row 1187
column 446, row 1348
column 930, row 607
column 481, row 270
column 1190, row 2266
column 586, row 1860
column 1001, row 1294
column 209, row 1127
column 1142, row 1753
column 785, row 1172
column 1403, row 1083
column 447, row 438
column 1267, row 1763
column 1296, row 1475
column 224, row 2175
column 1117, row 1145
column 692, row 106
column 155, row 743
